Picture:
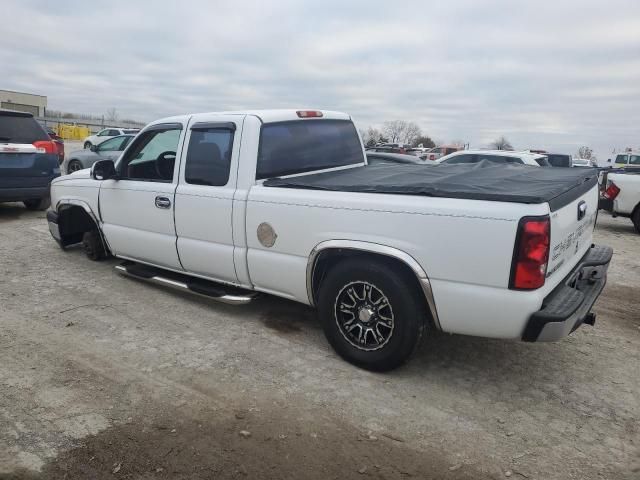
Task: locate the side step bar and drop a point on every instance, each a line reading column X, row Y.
column 215, row 291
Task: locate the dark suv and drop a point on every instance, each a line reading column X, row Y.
column 28, row 160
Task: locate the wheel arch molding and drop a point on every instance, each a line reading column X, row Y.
column 327, row 251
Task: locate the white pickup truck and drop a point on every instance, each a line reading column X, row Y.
column 621, row 195
column 282, row 202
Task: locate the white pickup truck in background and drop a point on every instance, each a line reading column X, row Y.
column 621, row 195
column 282, row 202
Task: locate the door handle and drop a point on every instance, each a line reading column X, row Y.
column 163, row 202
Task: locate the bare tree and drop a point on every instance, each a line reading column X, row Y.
column 111, row 115
column 401, row 131
column 372, row 136
column 502, row 143
column 586, row 152
column 424, row 141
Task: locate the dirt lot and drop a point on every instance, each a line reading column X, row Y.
column 106, row 377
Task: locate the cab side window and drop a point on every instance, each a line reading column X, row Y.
column 621, row 159
column 209, row 156
column 152, row 157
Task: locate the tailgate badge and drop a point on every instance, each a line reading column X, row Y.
column 582, row 210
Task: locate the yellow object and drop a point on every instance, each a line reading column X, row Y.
column 72, row 132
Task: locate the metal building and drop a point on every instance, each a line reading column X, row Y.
column 25, row 102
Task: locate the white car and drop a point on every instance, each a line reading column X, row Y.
column 583, row 162
column 621, row 195
column 283, row 202
column 106, row 134
column 496, row 156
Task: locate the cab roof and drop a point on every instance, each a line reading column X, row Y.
column 265, row 116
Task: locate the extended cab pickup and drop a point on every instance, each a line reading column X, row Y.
column 621, row 195
column 282, row 201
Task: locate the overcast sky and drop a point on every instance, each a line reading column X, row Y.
column 546, row 74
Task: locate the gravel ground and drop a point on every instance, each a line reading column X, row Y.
column 106, row 377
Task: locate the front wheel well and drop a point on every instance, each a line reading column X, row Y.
column 73, row 222
column 327, row 259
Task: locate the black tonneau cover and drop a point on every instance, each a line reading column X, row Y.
column 480, row 181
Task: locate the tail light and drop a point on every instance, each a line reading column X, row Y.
column 46, row 146
column 531, row 254
column 309, row 113
column 611, row 192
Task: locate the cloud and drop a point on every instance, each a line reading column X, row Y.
column 546, row 74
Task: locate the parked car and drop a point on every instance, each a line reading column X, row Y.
column 391, row 148
column 436, row 153
column 59, row 143
column 583, row 162
column 28, row 160
column 496, row 156
column 281, row 201
column 621, row 195
column 106, row 134
column 109, row 149
column 628, row 159
column 375, row 158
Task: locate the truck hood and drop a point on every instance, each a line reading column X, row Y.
column 80, row 174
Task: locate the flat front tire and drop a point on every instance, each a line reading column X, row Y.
column 93, row 246
column 372, row 313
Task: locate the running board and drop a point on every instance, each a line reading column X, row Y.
column 215, row 291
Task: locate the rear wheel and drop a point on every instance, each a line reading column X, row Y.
column 74, row 166
column 635, row 218
column 93, row 246
column 87, row 144
column 372, row 314
column 38, row 203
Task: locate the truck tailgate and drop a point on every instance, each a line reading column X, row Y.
column 572, row 225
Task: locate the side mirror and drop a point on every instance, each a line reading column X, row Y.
column 104, row 170
column 93, row 148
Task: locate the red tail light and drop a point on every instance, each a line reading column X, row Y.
column 309, row 113
column 46, row 146
column 531, row 253
column 611, row 192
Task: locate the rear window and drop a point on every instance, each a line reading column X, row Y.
column 556, row 160
column 19, row 129
column 634, row 160
column 306, row 145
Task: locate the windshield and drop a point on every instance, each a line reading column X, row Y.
column 301, row 146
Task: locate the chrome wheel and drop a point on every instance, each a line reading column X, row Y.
column 364, row 315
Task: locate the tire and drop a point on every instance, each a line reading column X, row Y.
column 387, row 344
column 74, row 166
column 635, row 218
column 37, row 203
column 87, row 145
column 93, row 246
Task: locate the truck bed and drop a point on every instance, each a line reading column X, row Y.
column 482, row 181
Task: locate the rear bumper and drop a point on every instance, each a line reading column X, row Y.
column 568, row 306
column 20, row 194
